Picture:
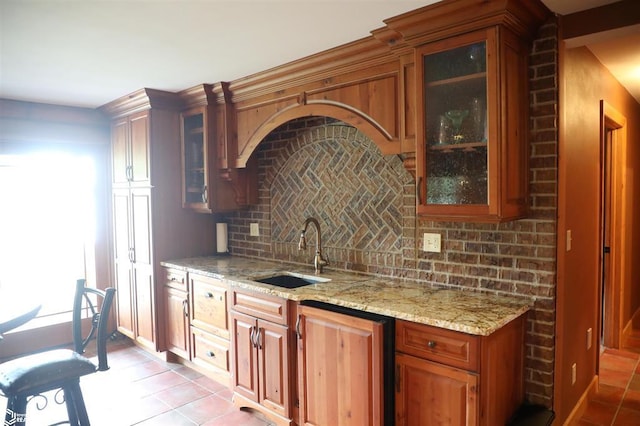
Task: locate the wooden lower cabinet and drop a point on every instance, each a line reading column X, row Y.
column 176, row 300
column 340, row 368
column 261, row 355
column 177, row 324
column 446, row 377
column 196, row 326
column 433, row 394
column 209, row 319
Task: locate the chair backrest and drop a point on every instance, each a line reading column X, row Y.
column 98, row 309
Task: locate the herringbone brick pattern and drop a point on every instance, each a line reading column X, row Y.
column 348, row 186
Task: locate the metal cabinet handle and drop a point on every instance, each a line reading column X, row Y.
column 431, row 344
column 211, row 354
column 208, row 295
column 298, row 327
column 185, row 307
column 253, row 337
column 259, row 338
column 205, row 195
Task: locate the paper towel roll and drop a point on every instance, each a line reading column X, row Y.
column 221, row 237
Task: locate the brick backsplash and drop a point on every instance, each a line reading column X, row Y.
column 365, row 203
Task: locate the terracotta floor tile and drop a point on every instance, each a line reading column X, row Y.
column 634, row 383
column 615, row 378
column 620, row 352
column 632, row 400
column 600, row 413
column 209, row 384
column 238, row 418
column 609, row 394
column 182, row 394
column 158, row 382
column 617, row 362
column 142, row 390
column 206, row 409
column 627, row 417
column 172, row 418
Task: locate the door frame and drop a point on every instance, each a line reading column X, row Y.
column 614, row 122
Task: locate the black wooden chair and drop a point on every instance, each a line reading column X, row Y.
column 28, row 376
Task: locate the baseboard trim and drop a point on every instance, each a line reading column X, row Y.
column 628, row 328
column 581, row 405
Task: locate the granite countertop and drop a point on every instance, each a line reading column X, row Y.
column 465, row 311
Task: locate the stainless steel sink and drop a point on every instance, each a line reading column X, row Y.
column 292, row 280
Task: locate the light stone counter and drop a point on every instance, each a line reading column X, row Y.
column 466, row 311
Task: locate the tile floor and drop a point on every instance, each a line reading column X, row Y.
column 618, row 399
column 142, row 390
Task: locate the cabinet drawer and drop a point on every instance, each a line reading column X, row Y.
column 210, row 350
column 175, row 278
column 437, row 344
column 263, row 306
column 209, row 307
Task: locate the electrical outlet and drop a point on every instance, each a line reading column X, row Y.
column 589, row 338
column 254, row 230
column 574, row 373
column 431, row 243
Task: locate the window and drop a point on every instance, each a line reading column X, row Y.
column 47, row 226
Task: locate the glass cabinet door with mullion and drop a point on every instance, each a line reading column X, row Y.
column 457, row 112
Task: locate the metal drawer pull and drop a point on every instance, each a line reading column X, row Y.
column 431, row 344
column 211, row 354
column 208, row 295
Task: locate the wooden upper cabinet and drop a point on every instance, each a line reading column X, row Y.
column 472, row 151
column 131, row 162
column 208, row 184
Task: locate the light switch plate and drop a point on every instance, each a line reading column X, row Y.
column 432, row 243
column 254, row 230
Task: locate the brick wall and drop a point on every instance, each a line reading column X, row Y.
column 365, row 203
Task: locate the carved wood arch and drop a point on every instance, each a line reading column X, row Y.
column 342, row 112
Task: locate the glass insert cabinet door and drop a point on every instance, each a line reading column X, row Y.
column 456, row 125
column 194, row 151
column 472, row 136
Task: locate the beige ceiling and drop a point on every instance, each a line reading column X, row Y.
column 89, row 52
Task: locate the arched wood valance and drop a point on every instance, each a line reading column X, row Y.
column 342, row 112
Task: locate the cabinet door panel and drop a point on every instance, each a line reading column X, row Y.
column 273, row 364
column 140, row 148
column 340, row 369
column 176, row 324
column 124, row 298
column 122, row 262
column 119, row 151
column 432, row 394
column 245, row 355
column 141, row 220
column 144, row 305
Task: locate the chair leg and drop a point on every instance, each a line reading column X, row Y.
column 16, row 413
column 75, row 404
